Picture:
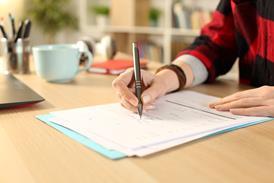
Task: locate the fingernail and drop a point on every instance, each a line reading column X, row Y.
column 149, row 107
column 146, row 99
column 219, row 108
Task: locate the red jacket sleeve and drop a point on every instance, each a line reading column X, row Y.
column 216, row 46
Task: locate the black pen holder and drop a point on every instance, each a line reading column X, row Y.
column 14, row 56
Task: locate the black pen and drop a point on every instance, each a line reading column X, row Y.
column 12, row 22
column 137, row 77
column 19, row 32
column 3, row 29
column 27, row 28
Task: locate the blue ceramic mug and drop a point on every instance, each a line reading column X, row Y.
column 60, row 62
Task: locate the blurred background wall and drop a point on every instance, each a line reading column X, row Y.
column 163, row 26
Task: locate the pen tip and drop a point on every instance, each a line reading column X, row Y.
column 140, row 110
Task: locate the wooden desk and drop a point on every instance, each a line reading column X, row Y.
column 31, row 151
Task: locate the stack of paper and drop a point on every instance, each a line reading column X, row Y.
column 178, row 118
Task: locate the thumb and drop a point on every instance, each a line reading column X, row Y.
column 152, row 93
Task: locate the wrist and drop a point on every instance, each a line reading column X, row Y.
column 168, row 80
column 187, row 70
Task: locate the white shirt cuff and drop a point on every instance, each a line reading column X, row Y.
column 199, row 70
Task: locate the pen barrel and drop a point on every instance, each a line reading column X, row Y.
column 136, row 62
column 137, row 77
column 138, row 90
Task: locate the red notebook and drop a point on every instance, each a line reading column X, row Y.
column 114, row 67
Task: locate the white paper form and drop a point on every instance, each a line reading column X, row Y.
column 179, row 117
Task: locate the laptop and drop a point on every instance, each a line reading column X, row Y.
column 14, row 93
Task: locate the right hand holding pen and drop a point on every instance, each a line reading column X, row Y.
column 125, row 89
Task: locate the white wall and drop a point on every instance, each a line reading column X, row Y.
column 204, row 4
column 16, row 7
column 11, row 6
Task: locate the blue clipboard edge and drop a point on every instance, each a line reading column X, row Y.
column 111, row 154
column 239, row 127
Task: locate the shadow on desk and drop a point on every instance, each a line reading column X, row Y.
column 221, row 87
column 45, row 105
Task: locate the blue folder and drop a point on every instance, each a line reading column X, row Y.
column 112, row 154
column 82, row 139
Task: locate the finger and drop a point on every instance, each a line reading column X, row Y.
column 149, row 107
column 262, row 111
column 132, row 90
column 128, row 106
column 147, row 77
column 241, row 103
column 150, row 94
column 131, row 83
column 123, row 78
column 125, row 94
column 233, row 97
column 126, row 76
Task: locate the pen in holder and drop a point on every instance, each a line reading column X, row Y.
column 14, row 56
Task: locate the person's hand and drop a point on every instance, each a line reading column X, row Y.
column 254, row 102
column 155, row 86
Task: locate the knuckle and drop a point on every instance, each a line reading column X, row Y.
column 153, row 94
column 119, row 95
column 264, row 87
column 246, row 101
column 125, row 96
column 123, row 105
column 115, row 83
column 229, row 105
column 265, row 90
column 129, row 70
column 237, row 95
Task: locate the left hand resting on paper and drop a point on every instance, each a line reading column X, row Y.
column 254, row 102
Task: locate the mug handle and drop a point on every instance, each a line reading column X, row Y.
column 83, row 48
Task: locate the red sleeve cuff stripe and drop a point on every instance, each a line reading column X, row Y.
column 266, row 39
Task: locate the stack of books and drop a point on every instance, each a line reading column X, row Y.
column 190, row 18
column 152, row 51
